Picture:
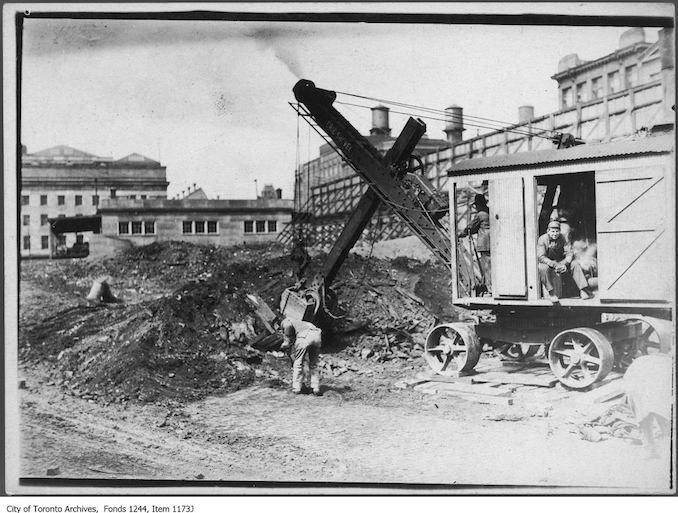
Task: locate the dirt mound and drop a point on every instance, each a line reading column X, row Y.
column 197, row 339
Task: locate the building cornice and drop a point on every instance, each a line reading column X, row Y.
column 619, row 54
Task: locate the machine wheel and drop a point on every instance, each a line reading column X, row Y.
column 655, row 337
column 580, row 357
column 452, row 348
column 518, row 352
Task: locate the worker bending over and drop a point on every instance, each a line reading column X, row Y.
column 305, row 339
column 555, row 257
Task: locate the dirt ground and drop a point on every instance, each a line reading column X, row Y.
column 194, row 400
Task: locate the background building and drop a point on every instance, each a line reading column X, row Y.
column 127, row 222
column 62, row 182
column 636, row 63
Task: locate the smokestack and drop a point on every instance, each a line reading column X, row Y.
column 455, row 124
column 380, row 121
column 278, row 193
column 525, row 114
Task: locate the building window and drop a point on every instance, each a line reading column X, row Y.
column 567, row 98
column 61, row 216
column 27, row 220
column 113, row 193
column 44, row 242
column 136, row 227
column 149, row 227
column 95, row 199
column 581, row 93
column 631, row 75
column 200, row 227
column 43, row 199
column 123, row 227
column 187, row 227
column 272, row 226
column 27, row 242
column 249, row 226
column 132, row 196
column 78, row 215
column 261, row 226
column 24, row 200
column 143, row 196
column 43, row 219
column 78, row 200
column 613, row 84
column 211, row 227
column 597, row 87
column 61, row 200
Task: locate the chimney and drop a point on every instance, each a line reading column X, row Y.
column 525, row 114
column 455, row 124
column 278, row 193
column 380, row 121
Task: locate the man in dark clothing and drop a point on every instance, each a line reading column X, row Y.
column 555, row 257
column 481, row 225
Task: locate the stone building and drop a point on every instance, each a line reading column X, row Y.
column 126, row 222
column 63, row 182
column 635, row 63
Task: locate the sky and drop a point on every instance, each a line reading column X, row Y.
column 210, row 99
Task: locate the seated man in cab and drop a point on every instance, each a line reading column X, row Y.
column 555, row 257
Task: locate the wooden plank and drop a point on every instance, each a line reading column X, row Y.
column 513, row 378
column 480, row 398
column 447, row 383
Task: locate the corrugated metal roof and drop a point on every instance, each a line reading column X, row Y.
column 651, row 144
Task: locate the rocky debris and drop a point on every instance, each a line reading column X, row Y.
column 617, row 421
column 190, row 328
column 53, row 471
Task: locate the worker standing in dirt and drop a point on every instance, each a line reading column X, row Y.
column 305, row 340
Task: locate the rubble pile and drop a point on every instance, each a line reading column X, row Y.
column 386, row 315
column 201, row 337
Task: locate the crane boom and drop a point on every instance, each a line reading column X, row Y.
column 409, row 196
column 391, row 182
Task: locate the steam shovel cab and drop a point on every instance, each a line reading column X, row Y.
column 615, row 201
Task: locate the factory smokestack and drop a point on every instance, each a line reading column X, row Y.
column 380, row 121
column 455, row 124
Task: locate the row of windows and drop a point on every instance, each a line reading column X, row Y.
column 260, row 226
column 44, row 242
column 61, row 199
column 136, row 228
column 26, row 221
column 614, row 85
column 198, row 227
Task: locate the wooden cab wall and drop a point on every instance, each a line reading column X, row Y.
column 633, row 186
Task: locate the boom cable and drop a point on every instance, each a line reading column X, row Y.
column 448, row 116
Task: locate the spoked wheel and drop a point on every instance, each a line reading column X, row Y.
column 580, row 357
column 654, row 338
column 518, row 352
column 452, row 348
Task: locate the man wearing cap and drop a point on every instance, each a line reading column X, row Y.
column 555, row 257
column 481, row 225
